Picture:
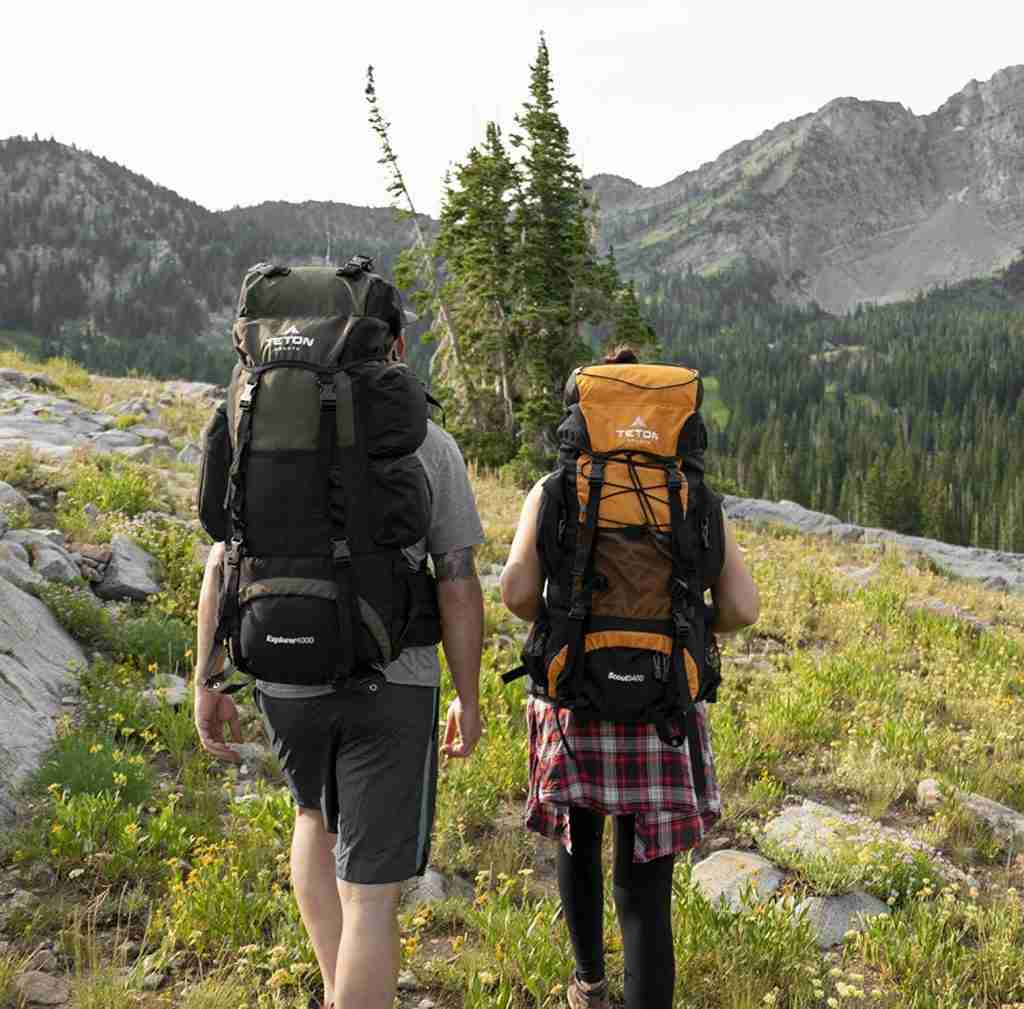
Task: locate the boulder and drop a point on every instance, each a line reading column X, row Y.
column 831, row 918
column 809, row 829
column 201, row 390
column 433, row 887
column 929, row 793
column 11, row 376
column 151, row 434
column 36, row 539
column 55, row 564
column 130, row 574
column 726, row 875
column 190, row 455
column 110, row 441
column 943, row 609
column 100, row 553
column 1005, row 822
column 167, row 689
column 42, row 381
column 4, row 524
column 140, row 453
column 13, row 551
column 39, row 989
column 18, row 572
column 11, row 499
column 133, row 407
column 37, row 663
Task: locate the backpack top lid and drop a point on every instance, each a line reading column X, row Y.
column 635, row 408
column 319, row 314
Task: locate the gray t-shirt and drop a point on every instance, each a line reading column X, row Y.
column 454, row 525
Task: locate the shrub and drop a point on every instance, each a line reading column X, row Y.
column 127, row 420
column 20, row 468
column 153, row 640
column 90, row 763
column 80, row 613
column 111, row 484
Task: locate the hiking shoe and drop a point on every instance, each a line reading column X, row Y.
column 588, row 996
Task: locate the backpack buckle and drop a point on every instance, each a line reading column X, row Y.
column 248, row 395
column 328, row 394
column 233, row 553
column 675, row 478
column 341, row 552
column 596, row 474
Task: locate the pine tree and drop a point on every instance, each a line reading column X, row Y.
column 553, row 260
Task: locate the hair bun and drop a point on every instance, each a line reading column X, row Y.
column 623, row 354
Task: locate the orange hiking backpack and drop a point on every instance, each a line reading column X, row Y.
column 630, row 537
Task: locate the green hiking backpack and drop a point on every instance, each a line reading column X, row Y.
column 310, row 477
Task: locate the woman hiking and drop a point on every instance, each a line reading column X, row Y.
column 582, row 768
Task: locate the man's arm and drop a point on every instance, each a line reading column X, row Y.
column 461, row 602
column 212, row 709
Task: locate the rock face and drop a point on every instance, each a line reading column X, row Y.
column 36, row 662
column 130, row 574
column 726, row 876
column 859, row 201
column 993, row 568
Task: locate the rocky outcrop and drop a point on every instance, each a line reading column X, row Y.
column 130, row 572
column 37, row 663
column 861, row 201
column 993, row 568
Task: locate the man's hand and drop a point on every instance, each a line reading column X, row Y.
column 462, row 732
column 212, row 711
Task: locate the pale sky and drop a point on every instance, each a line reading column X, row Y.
column 233, row 103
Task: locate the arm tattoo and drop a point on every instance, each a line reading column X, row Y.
column 455, row 565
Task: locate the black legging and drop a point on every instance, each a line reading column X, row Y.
column 643, row 902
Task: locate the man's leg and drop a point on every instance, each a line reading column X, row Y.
column 313, row 882
column 369, row 952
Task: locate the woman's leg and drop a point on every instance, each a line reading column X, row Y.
column 643, row 902
column 580, row 884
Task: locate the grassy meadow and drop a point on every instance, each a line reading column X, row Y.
column 160, row 877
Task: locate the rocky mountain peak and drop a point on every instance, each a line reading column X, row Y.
column 860, row 201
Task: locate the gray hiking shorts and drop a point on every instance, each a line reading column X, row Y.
column 366, row 757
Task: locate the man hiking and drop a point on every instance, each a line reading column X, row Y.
column 359, row 752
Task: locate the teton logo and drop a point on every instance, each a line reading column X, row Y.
column 273, row 639
column 290, row 339
column 630, row 678
column 637, row 431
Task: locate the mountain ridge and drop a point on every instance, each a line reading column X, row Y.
column 847, row 204
column 858, row 201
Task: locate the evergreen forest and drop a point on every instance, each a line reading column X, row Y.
column 907, row 416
